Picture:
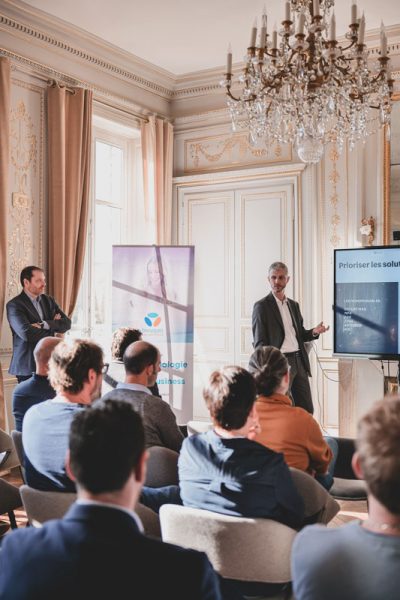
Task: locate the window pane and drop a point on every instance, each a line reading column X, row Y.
column 109, row 173
column 107, row 233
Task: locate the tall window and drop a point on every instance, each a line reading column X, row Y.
column 116, row 185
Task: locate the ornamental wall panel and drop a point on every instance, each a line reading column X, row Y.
column 25, row 214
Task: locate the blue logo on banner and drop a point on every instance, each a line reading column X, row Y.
column 152, row 319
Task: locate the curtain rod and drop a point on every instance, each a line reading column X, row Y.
column 51, row 77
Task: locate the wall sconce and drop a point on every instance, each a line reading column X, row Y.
column 368, row 228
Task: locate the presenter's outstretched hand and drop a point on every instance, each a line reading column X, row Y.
column 320, row 328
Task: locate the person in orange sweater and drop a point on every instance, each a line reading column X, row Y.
column 286, row 428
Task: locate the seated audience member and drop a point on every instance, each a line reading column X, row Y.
column 360, row 560
column 222, row 470
column 97, row 550
column 37, row 388
column 121, row 339
column 286, row 428
column 75, row 372
column 142, row 364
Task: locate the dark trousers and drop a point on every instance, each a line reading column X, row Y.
column 299, row 386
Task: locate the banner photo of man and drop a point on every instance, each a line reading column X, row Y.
column 153, row 290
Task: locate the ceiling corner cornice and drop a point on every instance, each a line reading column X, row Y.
column 27, row 22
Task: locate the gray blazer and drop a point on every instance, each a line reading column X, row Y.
column 159, row 421
column 268, row 329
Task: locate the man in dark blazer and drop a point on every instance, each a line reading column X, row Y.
column 32, row 316
column 98, row 549
column 277, row 321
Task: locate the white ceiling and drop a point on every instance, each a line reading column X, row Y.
column 183, row 36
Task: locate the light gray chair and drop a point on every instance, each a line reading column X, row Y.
column 239, row 548
column 162, row 467
column 42, row 506
column 320, row 506
column 10, row 500
column 8, row 455
column 16, row 437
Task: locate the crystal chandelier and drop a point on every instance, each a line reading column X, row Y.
column 307, row 89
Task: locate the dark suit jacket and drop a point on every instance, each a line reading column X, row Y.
column 268, row 329
column 27, row 393
column 237, row 477
column 98, row 552
column 21, row 314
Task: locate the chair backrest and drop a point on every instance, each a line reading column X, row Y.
column 319, row 505
column 346, row 485
column 162, row 467
column 10, row 498
column 7, row 449
column 42, row 506
column 238, row 548
column 17, row 441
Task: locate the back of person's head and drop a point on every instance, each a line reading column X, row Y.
column 121, row 339
column 268, row 366
column 378, row 446
column 106, row 441
column 230, row 395
column 138, row 356
column 278, row 266
column 70, row 363
column 27, row 273
column 43, row 350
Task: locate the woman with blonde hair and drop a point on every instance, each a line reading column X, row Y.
column 286, row 428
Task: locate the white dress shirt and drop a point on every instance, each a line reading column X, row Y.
column 290, row 343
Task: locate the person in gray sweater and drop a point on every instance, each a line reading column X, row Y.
column 142, row 365
column 360, row 560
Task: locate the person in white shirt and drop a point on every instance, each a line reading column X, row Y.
column 277, row 321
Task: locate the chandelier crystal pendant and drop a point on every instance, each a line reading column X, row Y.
column 306, row 89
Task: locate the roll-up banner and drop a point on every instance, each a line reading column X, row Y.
column 153, row 290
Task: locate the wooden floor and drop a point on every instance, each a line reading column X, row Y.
column 349, row 510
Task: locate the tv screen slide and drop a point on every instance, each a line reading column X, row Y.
column 367, row 302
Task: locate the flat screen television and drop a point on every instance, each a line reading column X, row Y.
column 367, row 302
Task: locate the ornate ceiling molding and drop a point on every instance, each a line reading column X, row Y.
column 25, row 30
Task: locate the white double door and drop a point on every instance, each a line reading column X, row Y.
column 239, row 226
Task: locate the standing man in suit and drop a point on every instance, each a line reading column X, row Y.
column 277, row 321
column 32, row 316
column 98, row 549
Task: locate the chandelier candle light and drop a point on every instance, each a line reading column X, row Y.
column 307, row 89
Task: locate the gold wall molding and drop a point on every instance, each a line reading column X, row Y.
column 225, row 151
column 334, row 178
column 386, row 180
column 25, row 240
column 23, row 145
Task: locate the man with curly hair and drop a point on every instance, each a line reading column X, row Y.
column 75, row 371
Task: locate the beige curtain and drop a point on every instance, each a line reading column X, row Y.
column 157, row 148
column 5, row 104
column 69, row 146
